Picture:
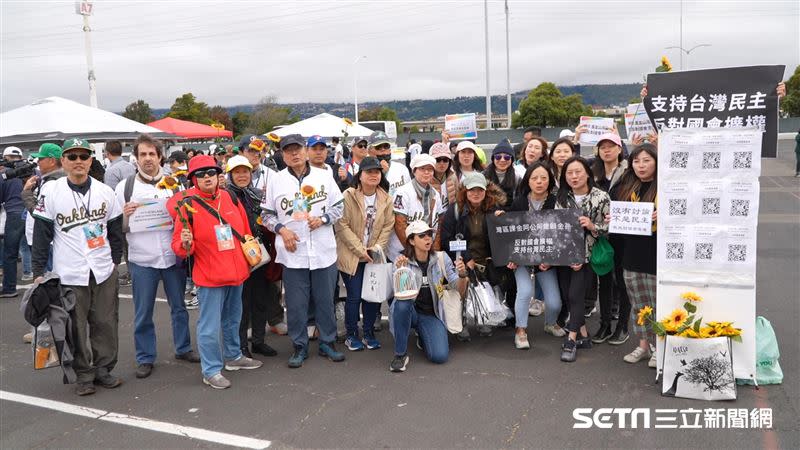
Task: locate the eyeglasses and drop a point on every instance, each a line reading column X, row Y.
column 206, row 173
column 443, row 160
column 428, row 233
column 82, row 156
column 503, row 157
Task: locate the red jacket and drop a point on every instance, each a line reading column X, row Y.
column 212, row 267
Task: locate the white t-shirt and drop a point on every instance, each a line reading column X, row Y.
column 407, row 204
column 290, row 201
column 147, row 248
column 397, row 176
column 81, row 241
column 369, row 216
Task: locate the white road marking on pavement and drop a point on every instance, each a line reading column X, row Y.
column 128, row 296
column 138, row 422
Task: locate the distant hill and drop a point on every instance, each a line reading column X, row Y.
column 603, row 95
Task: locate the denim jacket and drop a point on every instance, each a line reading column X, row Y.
column 435, row 277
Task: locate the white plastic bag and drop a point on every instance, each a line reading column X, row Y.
column 377, row 284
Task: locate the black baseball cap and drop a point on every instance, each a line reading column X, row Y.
column 368, row 163
column 291, row 139
column 178, row 156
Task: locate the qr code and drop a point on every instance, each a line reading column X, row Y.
column 740, row 208
column 703, row 251
column 711, row 160
column 711, row 206
column 678, row 160
column 737, row 253
column 677, row 207
column 674, row 250
column 742, row 160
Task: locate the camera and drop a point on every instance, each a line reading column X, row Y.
column 17, row 169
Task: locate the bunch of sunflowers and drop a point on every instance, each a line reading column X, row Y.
column 684, row 322
column 665, row 65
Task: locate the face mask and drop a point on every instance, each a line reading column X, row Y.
column 386, row 158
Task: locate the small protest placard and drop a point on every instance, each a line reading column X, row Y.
column 461, row 126
column 637, row 123
column 595, row 127
column 151, row 215
column 631, row 218
column 529, row 238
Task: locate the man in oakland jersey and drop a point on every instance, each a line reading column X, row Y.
column 80, row 216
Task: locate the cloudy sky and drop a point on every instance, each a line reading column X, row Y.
column 235, row 52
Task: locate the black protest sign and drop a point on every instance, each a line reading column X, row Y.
column 734, row 97
column 552, row 236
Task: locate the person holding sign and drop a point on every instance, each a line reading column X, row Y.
column 422, row 312
column 465, row 220
column 365, row 227
column 206, row 218
column 561, row 150
column 151, row 259
column 578, row 190
column 639, row 184
column 535, row 195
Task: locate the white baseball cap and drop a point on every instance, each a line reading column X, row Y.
column 566, row 132
column 13, row 151
column 422, row 160
column 466, row 144
column 417, row 227
column 237, row 161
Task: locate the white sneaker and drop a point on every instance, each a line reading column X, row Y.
column 521, row 341
column 27, row 338
column 636, row 355
column 280, row 329
column 555, row 330
column 192, row 303
column 536, row 308
column 653, row 363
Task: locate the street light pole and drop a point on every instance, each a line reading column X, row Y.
column 508, row 74
column 84, row 8
column 355, row 83
column 688, row 52
column 486, row 36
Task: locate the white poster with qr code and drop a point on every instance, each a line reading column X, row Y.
column 708, row 204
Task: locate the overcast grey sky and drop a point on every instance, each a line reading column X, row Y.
column 236, row 52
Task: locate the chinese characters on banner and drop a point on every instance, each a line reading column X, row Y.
column 461, row 126
column 552, row 237
column 595, row 127
column 735, row 97
column 631, row 218
column 708, row 201
column 636, row 121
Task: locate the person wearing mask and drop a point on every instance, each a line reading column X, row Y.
column 300, row 206
column 357, row 154
column 534, row 150
column 500, row 171
column 422, row 312
column 208, row 224
column 639, row 184
column 608, row 169
column 361, row 233
column 397, row 174
column 257, row 292
column 444, row 179
column 13, row 206
column 466, row 217
column 82, row 219
column 535, row 194
column 151, row 259
column 577, row 190
column 561, row 150
column 417, row 200
column 317, row 154
column 118, row 169
column 528, row 134
column 253, row 148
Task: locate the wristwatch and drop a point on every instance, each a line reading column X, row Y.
column 325, row 220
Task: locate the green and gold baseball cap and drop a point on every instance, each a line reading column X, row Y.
column 74, row 143
column 48, row 150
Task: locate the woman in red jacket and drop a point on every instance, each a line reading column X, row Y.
column 206, row 229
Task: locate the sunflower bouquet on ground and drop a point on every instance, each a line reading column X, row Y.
column 685, row 322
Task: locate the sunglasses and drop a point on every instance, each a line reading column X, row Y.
column 362, row 145
column 383, row 147
column 206, row 173
column 502, row 157
column 74, row 156
column 443, row 160
column 428, row 233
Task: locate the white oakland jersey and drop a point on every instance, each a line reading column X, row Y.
column 397, row 176
column 80, row 244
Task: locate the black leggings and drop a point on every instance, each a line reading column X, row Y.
column 573, row 285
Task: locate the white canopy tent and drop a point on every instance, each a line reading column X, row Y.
column 55, row 119
column 325, row 125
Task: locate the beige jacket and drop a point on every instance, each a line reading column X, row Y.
column 349, row 229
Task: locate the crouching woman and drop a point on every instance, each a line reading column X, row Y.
column 422, row 312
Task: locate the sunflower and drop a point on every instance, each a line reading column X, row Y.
column 308, row 190
column 709, row 332
column 691, row 296
column 644, row 313
column 273, row 137
column 719, row 324
column 669, row 327
column 167, row 182
column 190, row 208
column 689, row 333
column 677, row 317
column 179, row 173
column 729, row 331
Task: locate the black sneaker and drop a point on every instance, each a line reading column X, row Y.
column 584, row 342
column 144, row 370
column 108, row 381
column 84, row 389
column 399, row 363
column 189, row 356
column 619, row 337
column 602, row 334
column 568, row 351
column 263, row 349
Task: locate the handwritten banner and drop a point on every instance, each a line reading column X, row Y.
column 552, row 236
column 631, row 218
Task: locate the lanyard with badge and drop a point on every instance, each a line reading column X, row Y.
column 92, row 231
column 222, row 232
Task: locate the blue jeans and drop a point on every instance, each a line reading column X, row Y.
column 369, row 310
column 538, row 292
column 548, row 280
column 304, row 286
column 404, row 316
column 145, row 283
column 25, row 251
column 220, row 312
column 14, row 232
